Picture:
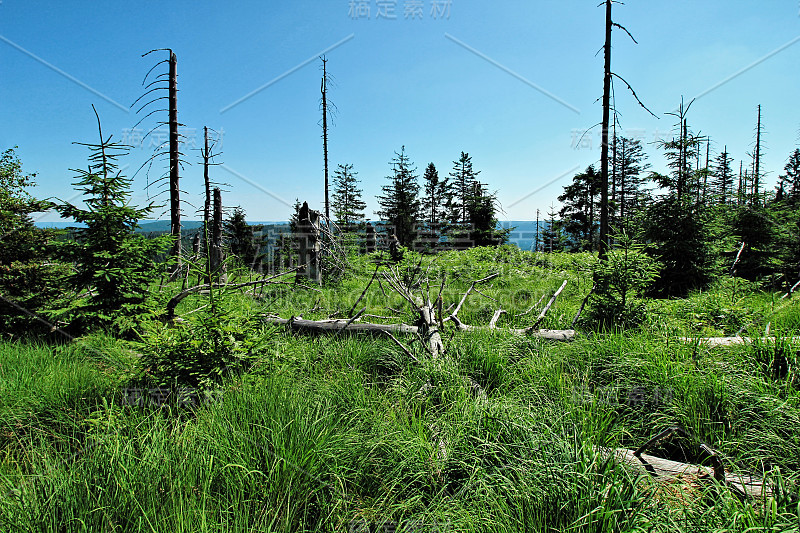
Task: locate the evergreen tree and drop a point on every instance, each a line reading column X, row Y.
column 113, row 264
column 241, row 239
column 348, row 207
column 722, row 186
column 551, row 236
column 438, row 196
column 482, row 214
column 463, row 183
column 791, row 178
column 580, row 200
column 628, row 167
column 399, row 203
column 27, row 276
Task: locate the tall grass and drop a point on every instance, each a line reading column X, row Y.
column 347, row 433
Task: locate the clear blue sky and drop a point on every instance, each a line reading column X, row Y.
column 510, row 82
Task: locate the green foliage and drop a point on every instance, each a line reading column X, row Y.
column 241, row 239
column 348, row 207
column 580, row 211
column 399, row 203
column 199, row 352
column 680, row 239
column 28, row 276
column 113, row 265
column 620, row 284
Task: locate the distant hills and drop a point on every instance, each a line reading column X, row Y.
column 523, row 234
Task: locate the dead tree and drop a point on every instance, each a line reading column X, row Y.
column 309, row 228
column 607, row 78
column 216, row 264
column 167, row 82
column 324, row 91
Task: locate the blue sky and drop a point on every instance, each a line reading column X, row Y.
column 513, row 83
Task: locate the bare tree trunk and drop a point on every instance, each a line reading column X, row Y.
column 757, row 157
column 217, row 267
column 206, row 206
column 174, row 162
column 324, row 90
column 603, row 246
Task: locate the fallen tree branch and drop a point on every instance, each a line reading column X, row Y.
column 495, row 318
column 547, row 307
column 327, row 326
column 668, row 470
column 712, row 342
column 178, row 298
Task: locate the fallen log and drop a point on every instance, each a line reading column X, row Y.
column 667, row 470
column 328, row 326
column 712, row 342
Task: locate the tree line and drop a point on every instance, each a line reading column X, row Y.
column 696, row 218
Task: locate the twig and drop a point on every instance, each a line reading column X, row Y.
column 583, row 304
column 736, row 261
column 374, row 275
column 471, row 287
column 495, row 318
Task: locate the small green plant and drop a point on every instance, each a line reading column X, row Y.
column 202, row 350
column 620, row 282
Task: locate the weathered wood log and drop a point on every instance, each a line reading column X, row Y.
column 712, row 342
column 667, row 470
column 327, row 326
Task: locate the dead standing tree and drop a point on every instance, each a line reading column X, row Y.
column 308, row 227
column 608, row 74
column 167, row 82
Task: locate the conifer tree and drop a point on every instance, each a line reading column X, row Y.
column 463, row 183
column 348, row 207
column 399, row 203
column 113, row 265
column 722, row 187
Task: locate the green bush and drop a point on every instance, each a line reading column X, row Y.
column 620, row 282
column 202, row 350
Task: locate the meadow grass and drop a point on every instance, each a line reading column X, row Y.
column 347, row 433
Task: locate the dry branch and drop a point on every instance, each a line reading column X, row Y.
column 178, row 298
column 327, row 326
column 549, row 304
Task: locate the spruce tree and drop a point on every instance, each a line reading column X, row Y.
column 722, row 186
column 241, row 239
column 28, row 278
column 629, row 165
column 399, row 203
column 463, row 183
column 791, row 178
column 579, row 211
column 113, row 265
column 348, row 207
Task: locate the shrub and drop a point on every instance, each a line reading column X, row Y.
column 620, row 282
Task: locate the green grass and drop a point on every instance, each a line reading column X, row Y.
column 339, row 433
